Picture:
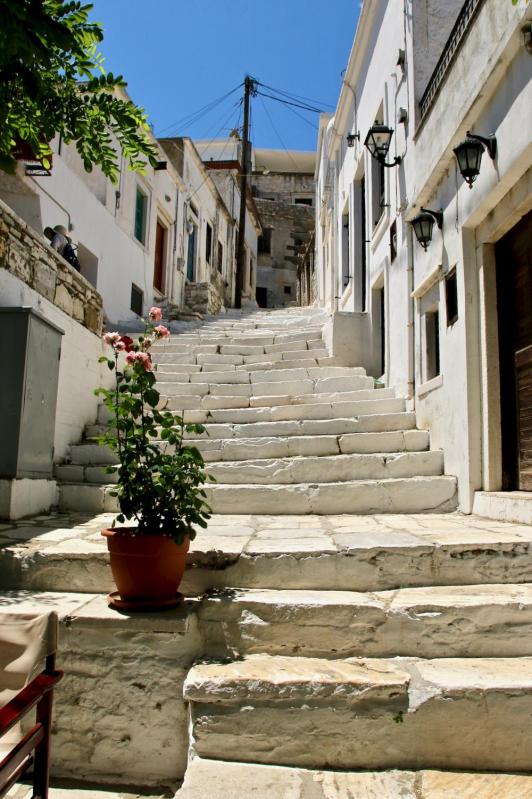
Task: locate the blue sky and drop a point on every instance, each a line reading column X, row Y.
column 178, row 55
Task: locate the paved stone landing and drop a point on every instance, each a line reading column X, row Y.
column 210, row 779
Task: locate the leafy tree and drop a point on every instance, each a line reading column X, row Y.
column 52, row 81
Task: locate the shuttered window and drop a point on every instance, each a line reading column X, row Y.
column 141, row 204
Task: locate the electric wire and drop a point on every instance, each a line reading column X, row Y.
column 279, row 135
column 195, row 116
column 295, row 96
column 287, row 102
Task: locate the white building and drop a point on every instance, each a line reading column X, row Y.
column 450, row 327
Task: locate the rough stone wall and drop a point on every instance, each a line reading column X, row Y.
column 203, row 298
column 29, row 258
column 277, row 269
column 285, row 186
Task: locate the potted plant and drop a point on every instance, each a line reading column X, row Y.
column 159, row 478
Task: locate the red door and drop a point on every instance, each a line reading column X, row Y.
column 160, row 257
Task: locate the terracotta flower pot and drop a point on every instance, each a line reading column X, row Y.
column 147, row 569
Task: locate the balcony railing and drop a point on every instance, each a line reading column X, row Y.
column 452, row 46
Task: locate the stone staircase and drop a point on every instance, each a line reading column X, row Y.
column 286, row 428
column 346, row 632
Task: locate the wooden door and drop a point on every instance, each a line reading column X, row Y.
column 514, row 299
column 191, row 254
column 160, row 257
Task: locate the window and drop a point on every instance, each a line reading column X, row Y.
column 137, row 299
column 360, row 241
column 141, row 208
column 220, row 263
column 303, row 201
column 432, row 344
column 265, row 241
column 378, row 190
column 345, row 246
column 393, row 241
column 208, row 243
column 451, row 297
column 287, row 289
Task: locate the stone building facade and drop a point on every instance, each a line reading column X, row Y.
column 284, row 191
column 450, row 326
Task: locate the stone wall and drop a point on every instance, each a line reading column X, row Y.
column 28, row 257
column 203, row 298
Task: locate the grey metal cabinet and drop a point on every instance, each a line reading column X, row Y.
column 30, row 349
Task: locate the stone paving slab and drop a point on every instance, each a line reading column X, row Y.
column 212, row 779
column 347, row 552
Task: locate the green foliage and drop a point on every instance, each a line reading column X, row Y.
column 160, row 479
column 52, row 81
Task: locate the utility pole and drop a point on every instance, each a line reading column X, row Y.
column 245, row 168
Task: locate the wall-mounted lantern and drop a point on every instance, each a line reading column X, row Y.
column 351, row 139
column 469, row 155
column 401, row 59
column 423, row 224
column 378, row 143
column 402, row 116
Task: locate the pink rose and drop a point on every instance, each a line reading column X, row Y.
column 155, row 314
column 119, row 346
column 111, row 338
column 145, row 359
column 161, row 331
column 146, row 343
column 131, row 357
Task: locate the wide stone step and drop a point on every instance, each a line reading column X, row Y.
column 229, row 345
column 295, row 387
column 317, row 553
column 243, row 449
column 390, row 495
column 438, row 621
column 376, row 423
column 264, row 470
column 403, row 713
column 278, row 413
column 219, row 779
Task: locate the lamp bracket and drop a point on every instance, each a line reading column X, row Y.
column 396, row 161
column 436, row 215
column 489, row 142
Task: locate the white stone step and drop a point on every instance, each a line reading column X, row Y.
column 395, row 423
column 428, row 622
column 401, row 495
column 402, row 713
column 328, row 411
column 317, row 553
column 259, row 469
column 390, row 495
column 221, row 779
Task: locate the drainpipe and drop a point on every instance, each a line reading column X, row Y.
column 174, row 248
column 411, row 315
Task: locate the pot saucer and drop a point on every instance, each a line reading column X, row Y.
column 114, row 600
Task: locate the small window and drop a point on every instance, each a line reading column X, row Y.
column 137, row 299
column 265, row 241
column 208, row 243
column 287, row 289
column 220, row 263
column 303, row 201
column 193, row 208
column 393, row 241
column 432, row 344
column 451, row 297
column 141, row 207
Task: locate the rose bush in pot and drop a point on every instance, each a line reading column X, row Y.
column 160, row 477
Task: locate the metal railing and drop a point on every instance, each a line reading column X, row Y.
column 452, row 46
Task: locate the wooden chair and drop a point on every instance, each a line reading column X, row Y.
column 27, row 643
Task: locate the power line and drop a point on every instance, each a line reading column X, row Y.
column 288, row 102
column 195, row 116
column 283, row 145
column 295, row 96
column 311, row 124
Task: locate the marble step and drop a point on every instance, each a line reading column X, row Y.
column 326, row 469
column 298, row 386
column 279, row 413
column 247, row 361
column 399, row 713
column 398, row 495
column 334, row 553
column 369, row 423
column 288, row 470
column 165, row 374
column 226, row 375
column 239, row 345
column 222, row 779
column 238, row 448
column 233, row 400
column 427, row 622
column 390, row 495
column 370, row 444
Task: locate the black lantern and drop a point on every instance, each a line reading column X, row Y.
column 351, row 139
column 469, row 155
column 423, row 224
column 378, row 143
